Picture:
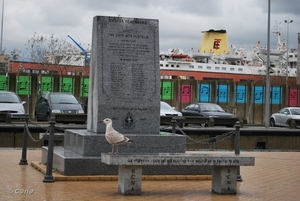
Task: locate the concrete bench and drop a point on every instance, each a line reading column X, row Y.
column 224, row 168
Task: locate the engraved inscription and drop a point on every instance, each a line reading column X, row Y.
column 128, row 50
column 185, row 161
column 132, row 182
column 228, row 187
column 117, row 79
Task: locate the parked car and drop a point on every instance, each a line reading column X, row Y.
column 10, row 102
column 205, row 110
column 280, row 118
column 167, row 110
column 56, row 102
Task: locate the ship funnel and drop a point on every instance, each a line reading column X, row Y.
column 214, row 41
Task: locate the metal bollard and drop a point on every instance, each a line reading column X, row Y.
column 212, row 142
column 237, row 147
column 23, row 160
column 48, row 176
column 173, row 123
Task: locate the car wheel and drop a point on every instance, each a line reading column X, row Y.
column 272, row 122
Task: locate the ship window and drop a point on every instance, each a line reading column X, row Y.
column 217, row 68
column 26, row 70
column 208, row 67
column 231, row 69
column 172, row 65
column 177, row 66
column 191, row 66
column 161, row 65
column 224, row 68
column 70, row 73
column 199, row 67
column 167, row 65
column 240, row 69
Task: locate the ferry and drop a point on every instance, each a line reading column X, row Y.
column 214, row 60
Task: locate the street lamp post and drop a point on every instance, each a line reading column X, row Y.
column 2, row 26
column 267, row 108
column 288, row 21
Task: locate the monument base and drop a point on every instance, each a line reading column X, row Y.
column 81, row 154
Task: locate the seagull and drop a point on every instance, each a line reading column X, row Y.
column 113, row 137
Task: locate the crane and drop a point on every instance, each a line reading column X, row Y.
column 86, row 58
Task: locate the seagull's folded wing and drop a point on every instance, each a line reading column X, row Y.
column 117, row 138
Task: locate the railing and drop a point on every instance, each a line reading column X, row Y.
column 70, row 118
column 204, row 121
column 11, row 117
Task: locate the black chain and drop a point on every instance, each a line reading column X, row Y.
column 208, row 141
column 59, row 129
column 30, row 135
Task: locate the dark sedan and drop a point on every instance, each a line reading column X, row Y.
column 205, row 110
column 56, row 103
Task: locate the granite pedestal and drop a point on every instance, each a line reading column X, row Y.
column 81, row 154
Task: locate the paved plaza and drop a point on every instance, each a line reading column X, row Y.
column 275, row 176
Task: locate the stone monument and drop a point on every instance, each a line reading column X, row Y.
column 124, row 76
column 125, row 87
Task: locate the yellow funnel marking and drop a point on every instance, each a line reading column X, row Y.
column 214, row 41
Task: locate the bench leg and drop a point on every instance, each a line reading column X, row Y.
column 130, row 180
column 224, row 179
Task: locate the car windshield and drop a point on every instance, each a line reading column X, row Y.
column 210, row 108
column 165, row 106
column 63, row 99
column 9, row 98
column 295, row 111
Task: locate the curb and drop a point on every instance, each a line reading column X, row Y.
column 59, row 177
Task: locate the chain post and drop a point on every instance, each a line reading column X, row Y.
column 212, row 142
column 237, row 147
column 48, row 176
column 173, row 122
column 23, row 160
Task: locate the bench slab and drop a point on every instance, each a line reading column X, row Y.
column 177, row 159
column 224, row 168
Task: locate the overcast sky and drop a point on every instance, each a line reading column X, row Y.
column 180, row 21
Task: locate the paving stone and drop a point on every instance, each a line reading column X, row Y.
column 275, row 176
